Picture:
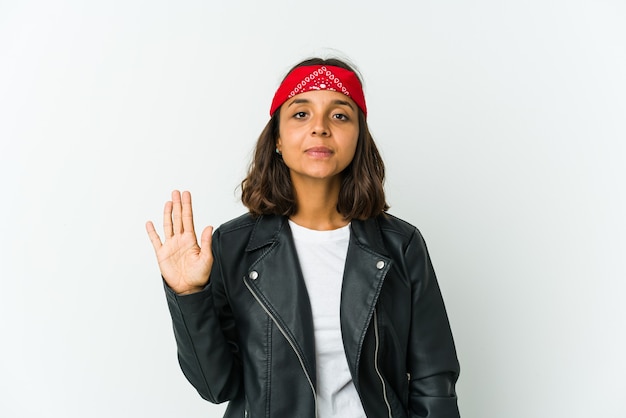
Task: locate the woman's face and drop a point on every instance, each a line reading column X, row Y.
column 318, row 134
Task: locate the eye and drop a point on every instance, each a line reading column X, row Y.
column 341, row 116
column 300, row 115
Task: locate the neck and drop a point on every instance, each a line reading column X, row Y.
column 317, row 205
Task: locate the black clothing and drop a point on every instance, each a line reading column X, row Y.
column 248, row 337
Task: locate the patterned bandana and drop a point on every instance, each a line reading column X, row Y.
column 319, row 77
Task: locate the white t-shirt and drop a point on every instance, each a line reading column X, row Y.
column 322, row 256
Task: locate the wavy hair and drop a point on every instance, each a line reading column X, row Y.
column 267, row 188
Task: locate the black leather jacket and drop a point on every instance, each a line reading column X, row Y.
column 248, row 338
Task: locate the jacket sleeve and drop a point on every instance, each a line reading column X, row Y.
column 432, row 362
column 206, row 338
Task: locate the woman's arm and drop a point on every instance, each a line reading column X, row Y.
column 203, row 325
column 432, row 362
column 206, row 338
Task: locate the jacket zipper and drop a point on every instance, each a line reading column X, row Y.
column 293, row 346
column 382, row 381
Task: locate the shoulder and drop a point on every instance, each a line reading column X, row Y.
column 386, row 233
column 257, row 231
column 392, row 226
column 231, row 238
column 245, row 221
column 403, row 243
column 400, row 236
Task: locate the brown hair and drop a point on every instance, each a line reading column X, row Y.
column 267, row 188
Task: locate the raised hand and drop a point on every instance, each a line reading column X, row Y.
column 184, row 265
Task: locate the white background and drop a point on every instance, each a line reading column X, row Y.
column 502, row 124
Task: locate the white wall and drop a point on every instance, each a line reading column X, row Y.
column 502, row 125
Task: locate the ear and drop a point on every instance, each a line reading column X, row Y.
column 279, row 144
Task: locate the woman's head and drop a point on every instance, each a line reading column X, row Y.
column 268, row 188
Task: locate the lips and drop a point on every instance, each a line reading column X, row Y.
column 319, row 152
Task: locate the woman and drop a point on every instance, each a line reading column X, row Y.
column 316, row 303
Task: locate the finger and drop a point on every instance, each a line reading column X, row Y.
column 205, row 242
column 177, row 224
column 187, row 213
column 206, row 238
column 154, row 237
column 168, row 230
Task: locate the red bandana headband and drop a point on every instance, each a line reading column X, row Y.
column 319, row 77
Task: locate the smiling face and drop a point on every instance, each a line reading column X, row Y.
column 318, row 134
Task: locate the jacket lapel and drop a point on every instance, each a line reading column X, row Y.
column 276, row 280
column 366, row 267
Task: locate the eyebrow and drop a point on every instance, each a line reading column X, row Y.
column 335, row 102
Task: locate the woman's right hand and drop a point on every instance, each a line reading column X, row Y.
column 184, row 265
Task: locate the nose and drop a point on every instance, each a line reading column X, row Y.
column 320, row 127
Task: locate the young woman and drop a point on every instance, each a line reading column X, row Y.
column 316, row 303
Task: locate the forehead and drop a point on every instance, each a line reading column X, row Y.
column 321, row 97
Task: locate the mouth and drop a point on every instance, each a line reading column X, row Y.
column 319, row 152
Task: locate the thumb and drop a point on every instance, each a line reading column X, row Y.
column 205, row 241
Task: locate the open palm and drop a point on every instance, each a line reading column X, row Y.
column 184, row 265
